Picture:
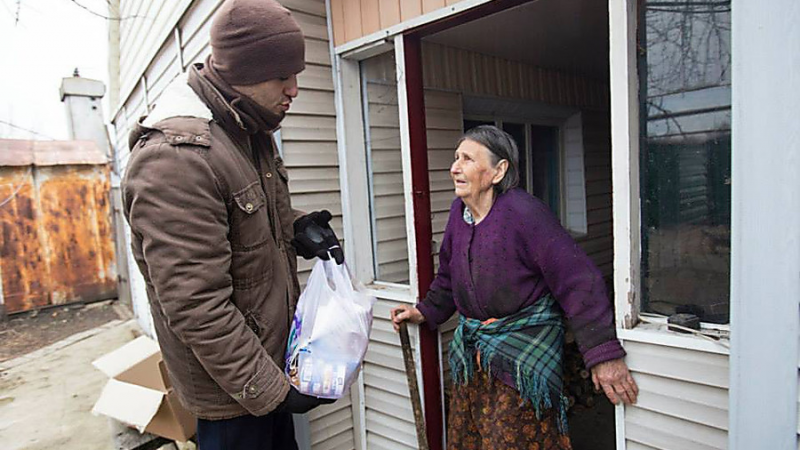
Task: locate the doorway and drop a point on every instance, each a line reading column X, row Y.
column 539, row 71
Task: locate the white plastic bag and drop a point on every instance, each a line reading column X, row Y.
column 329, row 333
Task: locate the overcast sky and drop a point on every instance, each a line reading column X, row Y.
column 50, row 39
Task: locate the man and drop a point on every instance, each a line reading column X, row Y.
column 214, row 234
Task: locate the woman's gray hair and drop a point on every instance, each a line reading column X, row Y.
column 501, row 146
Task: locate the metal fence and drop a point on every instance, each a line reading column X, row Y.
column 57, row 242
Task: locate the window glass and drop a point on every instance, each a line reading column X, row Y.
column 517, row 131
column 387, row 200
column 544, row 156
column 685, row 104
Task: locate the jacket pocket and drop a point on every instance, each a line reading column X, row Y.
column 249, row 220
column 253, row 321
column 269, row 321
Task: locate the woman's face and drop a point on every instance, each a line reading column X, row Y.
column 473, row 172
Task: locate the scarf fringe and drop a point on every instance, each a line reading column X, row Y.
column 531, row 385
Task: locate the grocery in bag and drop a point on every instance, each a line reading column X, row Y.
column 329, row 333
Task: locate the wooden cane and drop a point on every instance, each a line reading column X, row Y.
column 413, row 387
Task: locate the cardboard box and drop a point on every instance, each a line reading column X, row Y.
column 139, row 393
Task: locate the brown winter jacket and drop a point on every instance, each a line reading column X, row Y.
column 211, row 221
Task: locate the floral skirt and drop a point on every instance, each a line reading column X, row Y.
column 486, row 415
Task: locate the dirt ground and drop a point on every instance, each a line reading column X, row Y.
column 48, row 385
column 46, row 396
column 27, row 332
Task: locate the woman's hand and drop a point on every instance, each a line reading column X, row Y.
column 406, row 312
column 616, row 381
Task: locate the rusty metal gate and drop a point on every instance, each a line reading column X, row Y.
column 57, row 235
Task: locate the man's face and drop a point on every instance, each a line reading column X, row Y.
column 275, row 95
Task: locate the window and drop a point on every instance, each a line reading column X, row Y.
column 550, row 163
column 685, row 160
column 385, row 171
column 544, row 167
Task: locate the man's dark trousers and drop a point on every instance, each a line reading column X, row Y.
column 274, row 431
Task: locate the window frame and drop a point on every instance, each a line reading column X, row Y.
column 483, row 109
column 627, row 192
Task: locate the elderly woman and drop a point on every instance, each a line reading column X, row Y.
column 511, row 271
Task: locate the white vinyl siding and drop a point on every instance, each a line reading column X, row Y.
column 444, row 125
column 388, row 412
column 683, row 398
column 574, row 176
column 331, row 426
column 150, row 58
column 598, row 242
column 142, row 36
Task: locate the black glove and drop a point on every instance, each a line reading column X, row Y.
column 297, row 403
column 314, row 237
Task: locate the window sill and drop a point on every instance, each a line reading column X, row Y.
column 390, row 291
column 657, row 333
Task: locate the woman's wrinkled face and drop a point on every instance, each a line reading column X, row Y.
column 473, row 172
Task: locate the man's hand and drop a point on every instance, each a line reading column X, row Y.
column 616, row 381
column 313, row 237
column 406, row 312
column 297, row 403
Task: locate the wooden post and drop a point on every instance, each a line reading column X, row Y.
column 413, row 387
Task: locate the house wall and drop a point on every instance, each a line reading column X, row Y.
column 765, row 225
column 168, row 36
column 683, row 397
column 473, row 73
column 353, row 19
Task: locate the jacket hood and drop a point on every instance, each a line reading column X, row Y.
column 180, row 102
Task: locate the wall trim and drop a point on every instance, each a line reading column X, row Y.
column 765, row 225
column 625, row 161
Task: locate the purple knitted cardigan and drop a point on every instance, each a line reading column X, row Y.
column 515, row 255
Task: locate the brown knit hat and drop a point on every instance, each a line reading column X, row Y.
column 254, row 41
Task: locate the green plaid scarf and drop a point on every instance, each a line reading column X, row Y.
column 529, row 345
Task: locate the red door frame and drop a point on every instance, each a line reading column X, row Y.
column 429, row 339
column 420, row 185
